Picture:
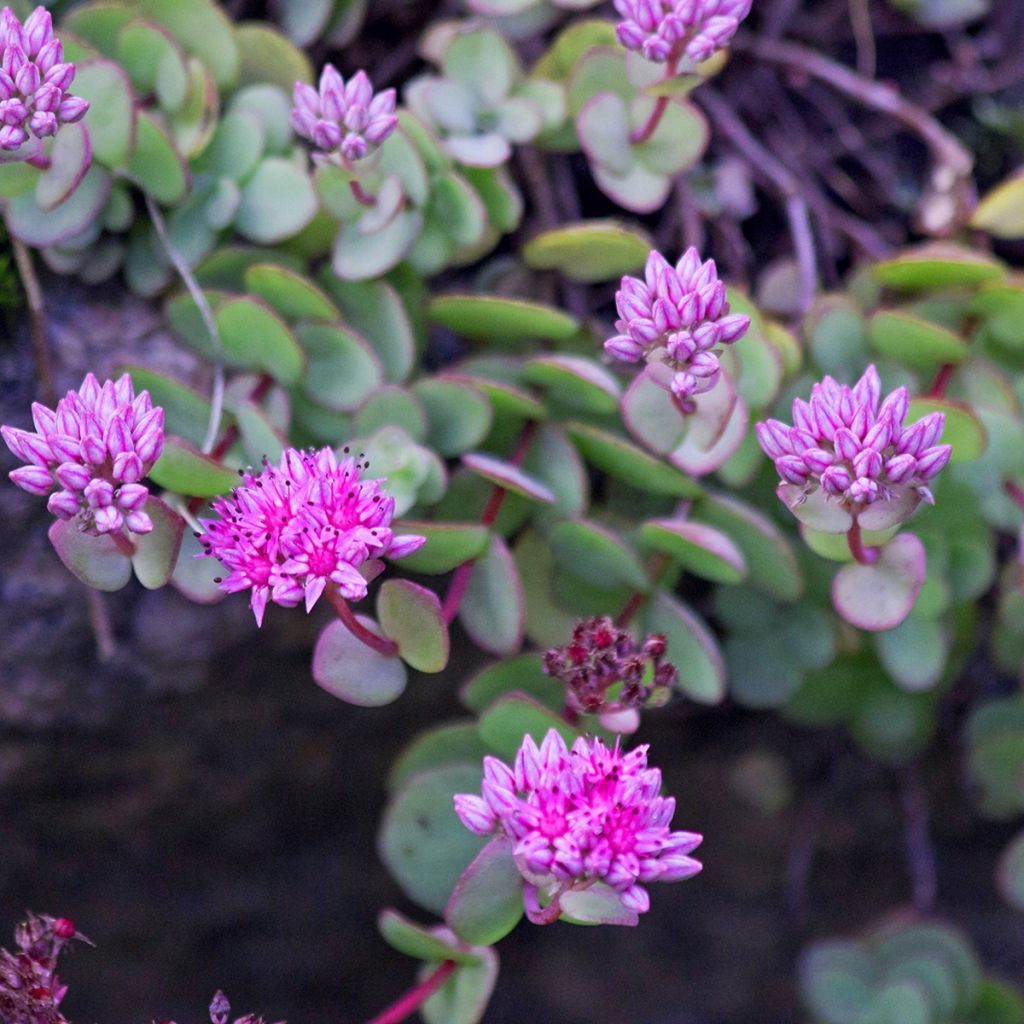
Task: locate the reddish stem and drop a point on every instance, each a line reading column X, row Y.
column 124, row 545
column 380, row 644
column 941, row 382
column 416, row 997
column 661, row 105
column 460, row 578
column 362, row 196
column 862, row 554
column 1016, row 493
column 657, row 565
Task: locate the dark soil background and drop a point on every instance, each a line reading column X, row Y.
column 207, row 815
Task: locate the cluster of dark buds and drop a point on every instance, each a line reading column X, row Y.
column 606, row 672
column 220, row 1011
column 30, row 992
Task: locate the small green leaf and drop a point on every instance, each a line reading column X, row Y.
column 203, row 29
column 96, row 561
column 522, row 673
column 1010, row 873
column 448, row 545
column 235, row 148
column 590, row 251
column 458, row 415
column 155, row 165
column 487, row 901
column 156, row 552
column 70, row 157
column 184, row 469
column 267, row 56
column 1000, row 211
column 701, row 549
column 343, row 370
column 691, row 648
column 186, row 411
column 411, row 616
column 597, row 904
column 37, row 227
column 289, row 294
column 353, row 671
column 252, row 335
column 446, row 744
column 963, row 430
column 463, row 998
column 937, row 266
column 915, row 652
column 511, row 478
column 492, row 608
column 575, row 382
column 417, row 941
column 493, row 318
column 914, row 340
column 262, row 217
column 880, row 596
column 596, row 554
column 505, row 723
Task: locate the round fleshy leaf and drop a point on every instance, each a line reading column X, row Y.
column 391, row 406
column 712, row 434
column 418, row 941
column 938, row 266
column 837, row 979
column 155, row 165
column 343, row 370
column 487, row 901
column 358, row 256
column 677, row 143
column 194, row 576
column 914, row 340
column 267, row 56
column 596, row 554
column 699, row 548
column 522, row 673
column 547, row 623
column 575, row 381
column 880, row 596
column 156, row 552
column 505, row 723
column 17, row 178
column 590, row 251
column 506, row 399
column 184, row 469
column 458, row 415
column 838, row 336
column 260, row 437
column 1010, row 873
column 154, row 62
column 448, row 545
column 915, row 652
column 639, row 190
column 96, row 561
column 816, row 509
column 70, row 157
column 835, row 546
column 111, row 118
column 186, row 411
column 262, row 217
column 492, row 609
column 511, row 478
column 963, row 430
column 447, row 744
column 554, row 461
column 422, row 842
column 253, row 336
column 769, row 557
column 628, row 463
column 1001, row 210
column 890, row 512
column 493, row 318
column 651, row 416
column 354, row 672
column 603, row 129
column 411, row 616
column 463, row 998
column 203, row 29
column 38, row 227
column 691, row 648
column 597, row 904
column 289, row 294
column 235, row 148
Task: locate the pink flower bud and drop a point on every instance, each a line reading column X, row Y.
column 108, row 519
column 73, row 476
column 38, row 30
column 72, row 109
column 64, row 505
column 34, row 479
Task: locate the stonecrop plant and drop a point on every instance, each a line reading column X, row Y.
column 429, row 402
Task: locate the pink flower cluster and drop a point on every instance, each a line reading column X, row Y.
column 348, row 118
column 34, row 81
column 291, row 530
column 30, row 991
column 854, row 446
column 675, row 318
column 664, row 30
column 580, row 816
column 91, row 453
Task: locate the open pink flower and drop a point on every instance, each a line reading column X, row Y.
column 344, row 119
column 291, row 530
column 665, row 30
column 580, row 816
column 676, row 318
column 34, row 81
column 852, row 449
column 91, row 453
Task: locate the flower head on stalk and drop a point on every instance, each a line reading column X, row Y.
column 675, row 319
column 664, row 30
column 291, row 530
column 852, row 448
column 607, row 673
column 34, row 81
column 30, row 991
column 90, row 454
column 345, row 122
column 580, row 816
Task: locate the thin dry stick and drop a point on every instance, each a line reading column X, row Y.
column 37, row 318
column 949, row 152
column 186, row 275
column 864, row 36
column 920, row 852
column 765, row 162
column 102, row 630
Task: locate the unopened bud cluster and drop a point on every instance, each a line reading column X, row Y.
column 34, row 80
column 675, row 319
column 664, row 30
column 30, row 991
column 90, row 454
column 600, row 657
column 343, row 120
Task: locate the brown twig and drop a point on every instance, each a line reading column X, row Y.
column 37, row 318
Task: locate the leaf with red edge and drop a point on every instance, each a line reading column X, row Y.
column 703, row 550
column 156, row 552
column 411, row 616
column 506, row 475
column 487, row 901
column 714, row 431
column 880, row 596
column 354, row 672
column 493, row 608
column 651, row 415
column 70, row 158
column 598, row 904
column 96, row 561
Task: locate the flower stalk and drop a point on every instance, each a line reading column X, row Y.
column 416, row 997
column 382, row 645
